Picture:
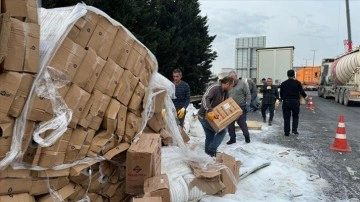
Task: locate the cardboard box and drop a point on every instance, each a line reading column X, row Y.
column 68, row 58
column 50, row 159
column 5, row 25
column 110, row 117
column 166, row 138
column 136, row 59
column 121, row 47
column 22, row 8
column 64, row 193
column 228, row 111
column 51, row 173
column 147, row 199
column 158, row 186
column 133, row 123
column 146, row 73
column 159, row 100
column 94, row 110
column 230, row 177
column 41, row 185
column 89, row 71
column 78, row 138
column 9, row 172
column 117, row 150
column 102, row 143
column 126, row 87
column 6, row 125
column 84, row 28
column 109, row 78
column 136, row 101
column 121, row 122
column 156, row 122
column 15, row 185
column 23, row 47
column 103, row 37
column 21, row 95
column 142, row 162
column 24, row 197
column 76, row 99
column 9, row 85
column 41, row 108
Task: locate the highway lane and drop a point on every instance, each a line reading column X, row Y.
column 317, row 130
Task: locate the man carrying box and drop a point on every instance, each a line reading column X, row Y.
column 213, row 96
column 241, row 94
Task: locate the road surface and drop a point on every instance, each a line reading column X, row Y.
column 317, row 130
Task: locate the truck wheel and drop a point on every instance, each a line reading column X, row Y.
column 346, row 98
column 337, row 95
column 341, row 96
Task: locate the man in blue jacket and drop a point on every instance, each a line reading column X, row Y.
column 182, row 95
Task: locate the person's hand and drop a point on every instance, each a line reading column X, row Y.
column 247, row 108
column 211, row 116
column 181, row 113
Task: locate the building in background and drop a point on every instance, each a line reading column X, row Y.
column 245, row 55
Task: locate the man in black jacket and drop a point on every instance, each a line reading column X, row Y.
column 290, row 91
column 270, row 95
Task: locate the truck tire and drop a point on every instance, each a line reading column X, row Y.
column 347, row 102
column 341, row 96
column 337, row 95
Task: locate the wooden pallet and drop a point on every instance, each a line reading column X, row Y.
column 252, row 125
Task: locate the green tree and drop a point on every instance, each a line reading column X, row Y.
column 173, row 30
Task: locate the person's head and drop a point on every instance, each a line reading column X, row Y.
column 291, row 73
column 269, row 81
column 233, row 75
column 177, row 75
column 263, row 80
column 227, row 83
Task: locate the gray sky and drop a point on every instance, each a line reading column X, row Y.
column 307, row 24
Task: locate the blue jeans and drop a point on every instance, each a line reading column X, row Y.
column 241, row 121
column 213, row 139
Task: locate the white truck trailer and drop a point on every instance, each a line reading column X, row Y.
column 274, row 62
column 340, row 78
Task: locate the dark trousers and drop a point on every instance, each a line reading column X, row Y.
column 271, row 107
column 241, row 121
column 291, row 107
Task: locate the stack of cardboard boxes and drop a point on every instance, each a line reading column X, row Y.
column 104, row 74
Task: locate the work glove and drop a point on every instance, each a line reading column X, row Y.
column 268, row 87
column 211, row 116
column 181, row 113
column 163, row 113
column 277, row 103
column 247, row 108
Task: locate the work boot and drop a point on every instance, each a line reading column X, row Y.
column 247, row 139
column 264, row 120
column 270, row 123
column 296, row 133
column 231, row 141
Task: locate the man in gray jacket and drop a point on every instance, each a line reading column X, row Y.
column 241, row 95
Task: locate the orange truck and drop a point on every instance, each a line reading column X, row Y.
column 309, row 77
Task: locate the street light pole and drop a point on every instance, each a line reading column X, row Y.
column 314, row 57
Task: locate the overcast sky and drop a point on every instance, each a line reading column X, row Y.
column 306, row 24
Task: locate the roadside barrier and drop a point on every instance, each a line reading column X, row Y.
column 340, row 142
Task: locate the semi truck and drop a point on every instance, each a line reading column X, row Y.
column 340, row 78
column 274, row 62
column 309, row 77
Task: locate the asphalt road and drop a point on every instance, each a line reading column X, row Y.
column 317, row 130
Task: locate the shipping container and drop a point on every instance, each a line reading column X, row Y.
column 309, row 77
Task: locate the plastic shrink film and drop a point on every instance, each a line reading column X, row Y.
column 69, row 126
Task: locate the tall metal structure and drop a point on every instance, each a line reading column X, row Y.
column 245, row 55
column 349, row 41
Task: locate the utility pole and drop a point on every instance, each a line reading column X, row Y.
column 349, row 42
column 314, row 56
column 306, row 61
